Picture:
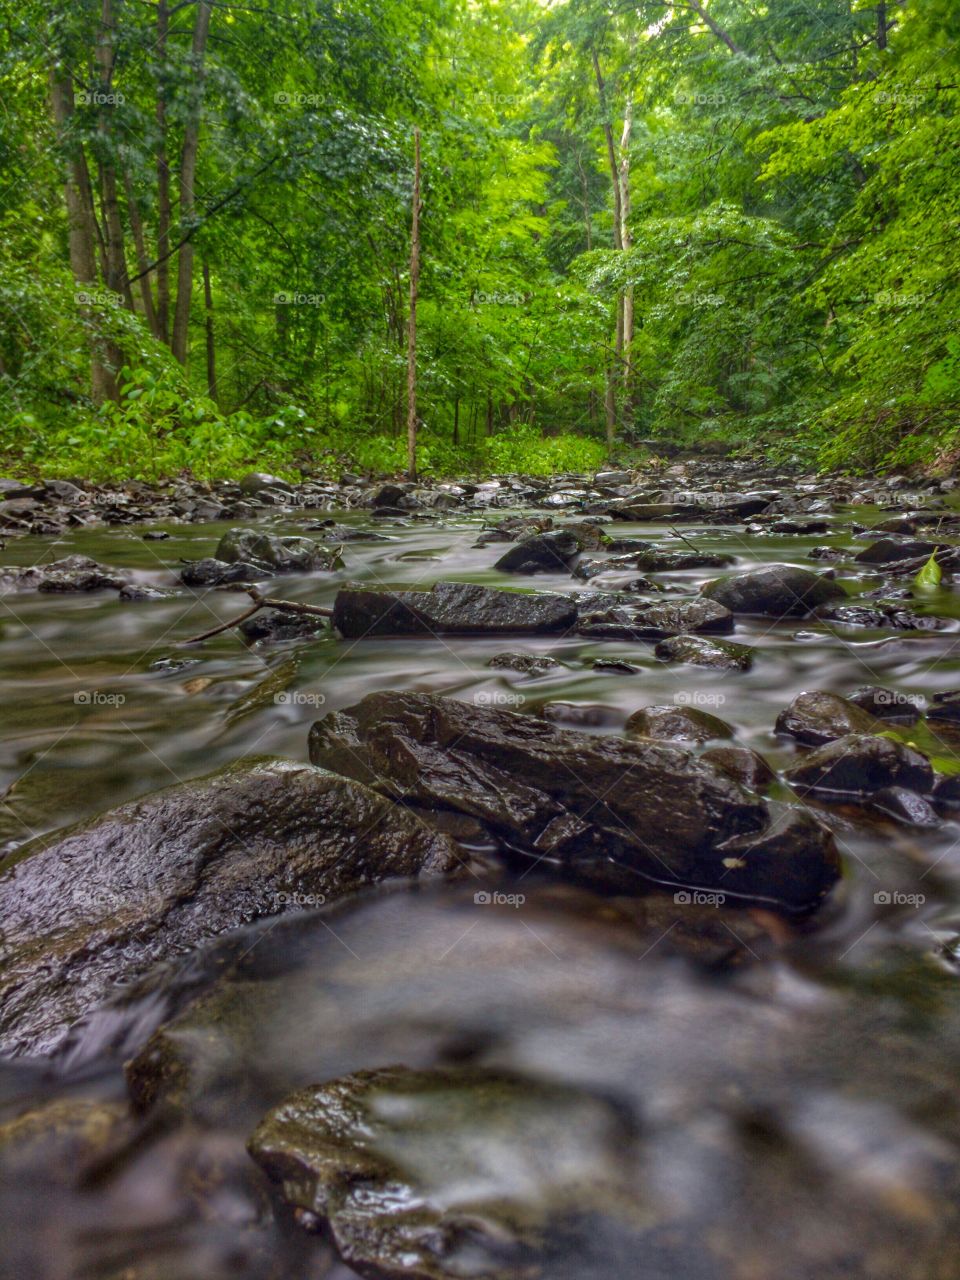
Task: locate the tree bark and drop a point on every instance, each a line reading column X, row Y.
column 626, row 241
column 163, row 183
column 116, row 274
column 188, row 170
column 81, row 232
column 208, row 319
column 611, row 153
column 139, row 244
column 412, row 319
column 715, row 27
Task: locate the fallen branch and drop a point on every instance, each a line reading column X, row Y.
column 260, row 602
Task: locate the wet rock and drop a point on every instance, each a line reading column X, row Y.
column 815, row 717
column 799, row 526
column 860, row 765
column 528, row 664
column 541, row 553
column 514, row 528
column 446, row 1173
column 72, row 573
column 133, row 592
column 888, row 550
column 882, row 615
column 654, row 621
column 698, row 651
column 273, row 626
column 449, row 607
column 658, row 560
column 945, row 706
column 275, row 554
column 905, row 806
column 616, row 666
column 678, row 724
column 605, row 807
column 254, row 481
column 210, row 572
column 887, row 704
column 156, row 535
column 776, row 591
column 62, row 1139
column 743, row 765
column 87, row 910
column 388, row 495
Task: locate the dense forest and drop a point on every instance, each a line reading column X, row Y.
column 732, row 222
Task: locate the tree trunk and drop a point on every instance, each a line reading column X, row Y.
column 163, row 184
column 627, row 242
column 211, row 348
column 139, row 243
column 585, row 201
column 456, row 420
column 611, row 153
column 715, row 27
column 188, row 171
column 412, row 319
column 81, row 231
column 882, row 25
column 116, row 275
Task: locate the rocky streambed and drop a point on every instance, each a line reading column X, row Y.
column 570, row 890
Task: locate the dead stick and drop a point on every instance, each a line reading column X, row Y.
column 260, row 602
column 676, row 532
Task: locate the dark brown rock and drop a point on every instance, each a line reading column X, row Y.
column 459, row 608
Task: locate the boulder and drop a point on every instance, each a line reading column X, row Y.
column 459, row 608
column 273, row 626
column 888, row 550
column 528, row 664
column 449, row 1172
column 276, row 554
column 550, row 552
column 745, row 766
column 887, row 704
column 775, row 591
column 255, row 481
column 72, row 573
column 613, row 809
column 815, row 717
column 654, row 621
column 698, row 651
column 677, row 724
column 861, row 765
column 101, row 904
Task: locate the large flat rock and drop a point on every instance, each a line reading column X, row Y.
column 154, row 878
column 460, row 608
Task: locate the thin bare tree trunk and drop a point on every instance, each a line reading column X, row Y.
column 163, row 184
column 626, row 242
column 80, row 230
column 139, row 243
column 211, row 346
column 412, row 319
column 611, row 153
column 188, row 171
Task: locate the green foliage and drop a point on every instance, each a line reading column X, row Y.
column 793, row 257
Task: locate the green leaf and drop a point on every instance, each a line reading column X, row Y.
column 930, row 574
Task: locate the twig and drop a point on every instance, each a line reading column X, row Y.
column 260, row 602
column 677, row 534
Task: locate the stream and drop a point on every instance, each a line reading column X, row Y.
column 720, row 1094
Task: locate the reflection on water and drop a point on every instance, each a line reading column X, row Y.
column 790, row 1091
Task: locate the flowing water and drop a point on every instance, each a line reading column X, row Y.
column 796, row 1113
